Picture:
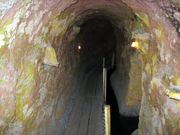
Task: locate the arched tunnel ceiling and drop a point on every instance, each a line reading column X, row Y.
column 35, row 56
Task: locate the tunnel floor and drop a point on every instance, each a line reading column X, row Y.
column 84, row 113
column 84, row 117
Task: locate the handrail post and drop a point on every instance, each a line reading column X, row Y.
column 107, row 112
column 104, row 80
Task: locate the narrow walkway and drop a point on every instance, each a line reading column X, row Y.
column 86, row 116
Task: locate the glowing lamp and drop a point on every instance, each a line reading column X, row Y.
column 79, row 47
column 135, row 44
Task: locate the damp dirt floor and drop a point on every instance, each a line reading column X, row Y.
column 84, row 114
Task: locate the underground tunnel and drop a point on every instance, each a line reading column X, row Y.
column 52, row 60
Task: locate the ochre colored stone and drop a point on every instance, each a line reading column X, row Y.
column 134, row 91
column 50, row 57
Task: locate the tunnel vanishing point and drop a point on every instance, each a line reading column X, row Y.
column 51, row 57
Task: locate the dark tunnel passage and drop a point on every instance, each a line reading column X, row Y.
column 98, row 40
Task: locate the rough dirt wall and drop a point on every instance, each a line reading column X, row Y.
column 34, row 75
column 159, row 46
column 37, row 64
column 127, row 79
column 33, row 59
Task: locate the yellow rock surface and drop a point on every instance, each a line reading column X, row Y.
column 50, row 57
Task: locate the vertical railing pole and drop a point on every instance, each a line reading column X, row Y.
column 104, row 80
column 105, row 85
column 104, row 62
column 107, row 113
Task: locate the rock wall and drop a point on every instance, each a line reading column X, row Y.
column 127, row 79
column 36, row 77
column 37, row 61
column 159, row 45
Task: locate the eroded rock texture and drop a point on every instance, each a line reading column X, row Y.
column 39, row 62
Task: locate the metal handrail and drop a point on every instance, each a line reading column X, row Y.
column 106, row 107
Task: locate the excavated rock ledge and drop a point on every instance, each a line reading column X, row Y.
column 120, row 87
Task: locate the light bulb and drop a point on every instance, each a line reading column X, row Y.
column 79, row 47
column 135, row 44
